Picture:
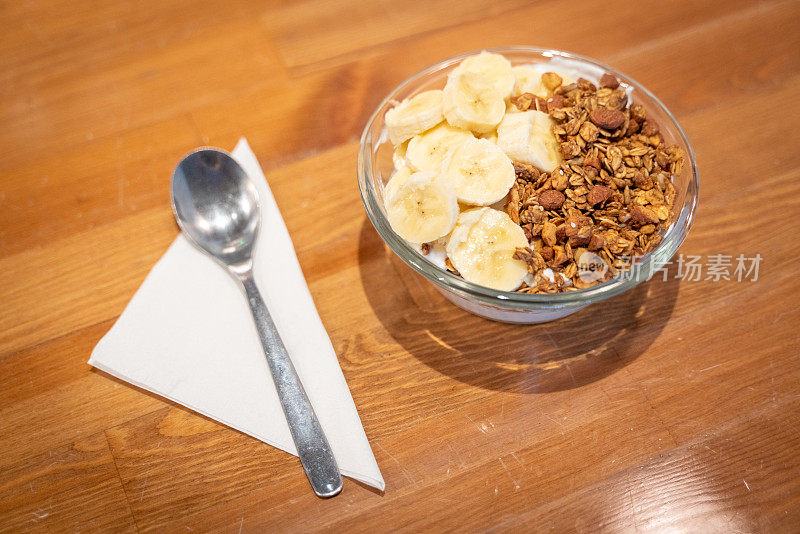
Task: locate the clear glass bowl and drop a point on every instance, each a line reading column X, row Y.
column 375, row 167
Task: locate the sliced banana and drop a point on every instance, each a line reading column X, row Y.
column 482, row 245
column 420, row 206
column 528, row 79
column 493, row 67
column 511, row 108
column 471, row 102
column 491, row 136
column 479, row 171
column 399, row 156
column 398, row 178
column 460, row 231
column 414, row 115
column 427, row 150
column 528, row 137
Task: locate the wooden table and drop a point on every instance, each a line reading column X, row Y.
column 673, row 407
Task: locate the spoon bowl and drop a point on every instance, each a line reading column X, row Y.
column 216, row 205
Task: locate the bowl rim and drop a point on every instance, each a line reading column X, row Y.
column 643, row 268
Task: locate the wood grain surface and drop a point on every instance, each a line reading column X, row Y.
column 674, row 407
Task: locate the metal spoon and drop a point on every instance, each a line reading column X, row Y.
column 217, row 208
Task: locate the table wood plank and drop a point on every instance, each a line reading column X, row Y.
column 73, row 487
column 725, row 482
column 546, row 23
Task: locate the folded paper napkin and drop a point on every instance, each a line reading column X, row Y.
column 187, row 335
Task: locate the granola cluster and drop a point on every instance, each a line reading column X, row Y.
column 612, row 195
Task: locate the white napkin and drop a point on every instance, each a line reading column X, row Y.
column 187, row 334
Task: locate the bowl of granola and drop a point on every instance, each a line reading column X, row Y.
column 527, row 183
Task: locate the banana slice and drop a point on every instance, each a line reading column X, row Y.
column 491, row 136
column 528, row 80
column 427, row 150
column 399, row 156
column 479, row 171
column 511, row 108
column 482, row 245
column 421, row 206
column 493, row 67
column 398, row 178
column 466, row 219
column 414, row 115
column 528, row 137
column 471, row 102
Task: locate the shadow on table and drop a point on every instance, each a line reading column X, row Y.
column 565, row 354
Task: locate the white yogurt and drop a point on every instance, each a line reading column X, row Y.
column 436, row 255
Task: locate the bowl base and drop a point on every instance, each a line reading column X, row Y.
column 507, row 315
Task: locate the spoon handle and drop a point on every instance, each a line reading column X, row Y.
column 312, row 446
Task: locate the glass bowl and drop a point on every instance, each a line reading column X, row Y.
column 375, row 167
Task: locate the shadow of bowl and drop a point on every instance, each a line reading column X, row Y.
column 565, row 354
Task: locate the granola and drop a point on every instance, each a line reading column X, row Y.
column 612, row 196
